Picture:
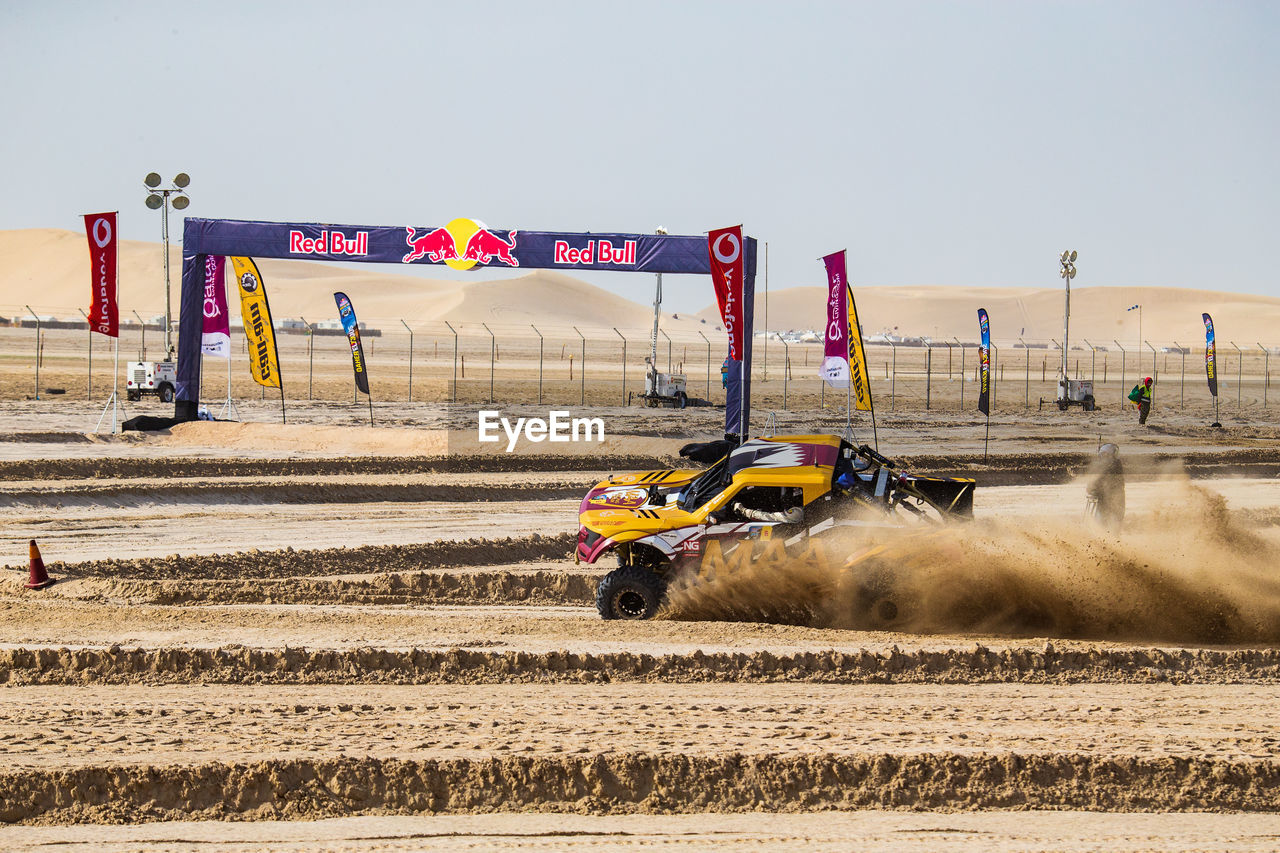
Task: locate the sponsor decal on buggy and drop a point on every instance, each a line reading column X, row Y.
column 623, row 497
column 682, row 539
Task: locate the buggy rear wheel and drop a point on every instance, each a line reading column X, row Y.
column 630, row 592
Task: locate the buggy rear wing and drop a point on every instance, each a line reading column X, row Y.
column 950, row 496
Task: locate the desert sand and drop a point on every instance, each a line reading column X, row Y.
column 373, row 638
column 323, row 635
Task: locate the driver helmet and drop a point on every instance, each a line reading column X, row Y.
column 1108, row 451
column 1147, row 381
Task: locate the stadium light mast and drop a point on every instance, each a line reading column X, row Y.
column 160, row 199
column 1067, row 261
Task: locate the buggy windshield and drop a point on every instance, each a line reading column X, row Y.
column 705, row 486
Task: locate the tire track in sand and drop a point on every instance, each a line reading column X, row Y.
column 635, row 783
column 980, row 665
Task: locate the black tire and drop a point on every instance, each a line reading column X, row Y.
column 630, row 592
column 166, row 393
column 879, row 603
column 682, row 399
column 1089, row 405
column 133, row 396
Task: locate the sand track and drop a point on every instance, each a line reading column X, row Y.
column 452, row 661
column 634, row 783
column 204, row 493
column 368, row 665
column 383, row 466
column 1010, row 469
column 288, row 563
column 511, row 585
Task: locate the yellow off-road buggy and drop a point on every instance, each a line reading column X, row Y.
column 661, row 523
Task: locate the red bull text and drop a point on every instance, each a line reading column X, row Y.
column 327, row 243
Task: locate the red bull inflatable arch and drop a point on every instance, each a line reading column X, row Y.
column 462, row 244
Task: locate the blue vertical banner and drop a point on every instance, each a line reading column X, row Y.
column 347, row 314
column 984, row 357
column 1210, row 356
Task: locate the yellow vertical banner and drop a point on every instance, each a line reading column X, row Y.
column 264, row 362
column 858, row 373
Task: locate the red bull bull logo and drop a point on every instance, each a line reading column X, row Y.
column 437, row 246
column 461, row 245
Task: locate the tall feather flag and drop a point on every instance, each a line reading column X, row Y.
column 264, row 359
column 347, row 314
column 1211, row 364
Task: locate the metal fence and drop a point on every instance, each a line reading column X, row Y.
column 547, row 365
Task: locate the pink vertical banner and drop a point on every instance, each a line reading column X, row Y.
column 104, row 312
column 215, row 337
column 724, row 246
column 835, row 360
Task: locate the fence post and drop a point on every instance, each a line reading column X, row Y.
column 668, row 337
column 994, row 361
column 786, row 369
column 539, row 334
column 1093, row 361
column 705, row 338
column 1239, row 372
column 1154, row 371
column 311, row 339
column 624, row 364
column 143, row 357
column 583, row 399
column 957, row 340
column 1182, row 386
column 88, row 395
column 455, row 360
column 1026, row 379
column 1266, row 373
column 37, row 316
column 493, row 356
column 893, row 382
column 410, row 331
column 1123, row 357
column 928, row 375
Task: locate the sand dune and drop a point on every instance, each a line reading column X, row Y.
column 1098, row 313
column 48, row 269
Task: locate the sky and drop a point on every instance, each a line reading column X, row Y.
column 940, row 143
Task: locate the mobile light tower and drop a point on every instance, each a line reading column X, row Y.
column 1067, row 261
column 665, row 389
column 162, row 199
column 1070, row 392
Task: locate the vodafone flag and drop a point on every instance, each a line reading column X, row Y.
column 104, row 313
column 725, row 248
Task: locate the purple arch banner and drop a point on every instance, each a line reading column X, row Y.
column 475, row 247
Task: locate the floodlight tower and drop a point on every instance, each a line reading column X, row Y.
column 1067, row 261
column 161, row 199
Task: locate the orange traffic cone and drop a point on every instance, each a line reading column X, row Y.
column 39, row 577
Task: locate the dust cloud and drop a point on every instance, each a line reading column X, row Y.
column 1189, row 571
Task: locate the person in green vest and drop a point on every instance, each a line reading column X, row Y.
column 1141, row 396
